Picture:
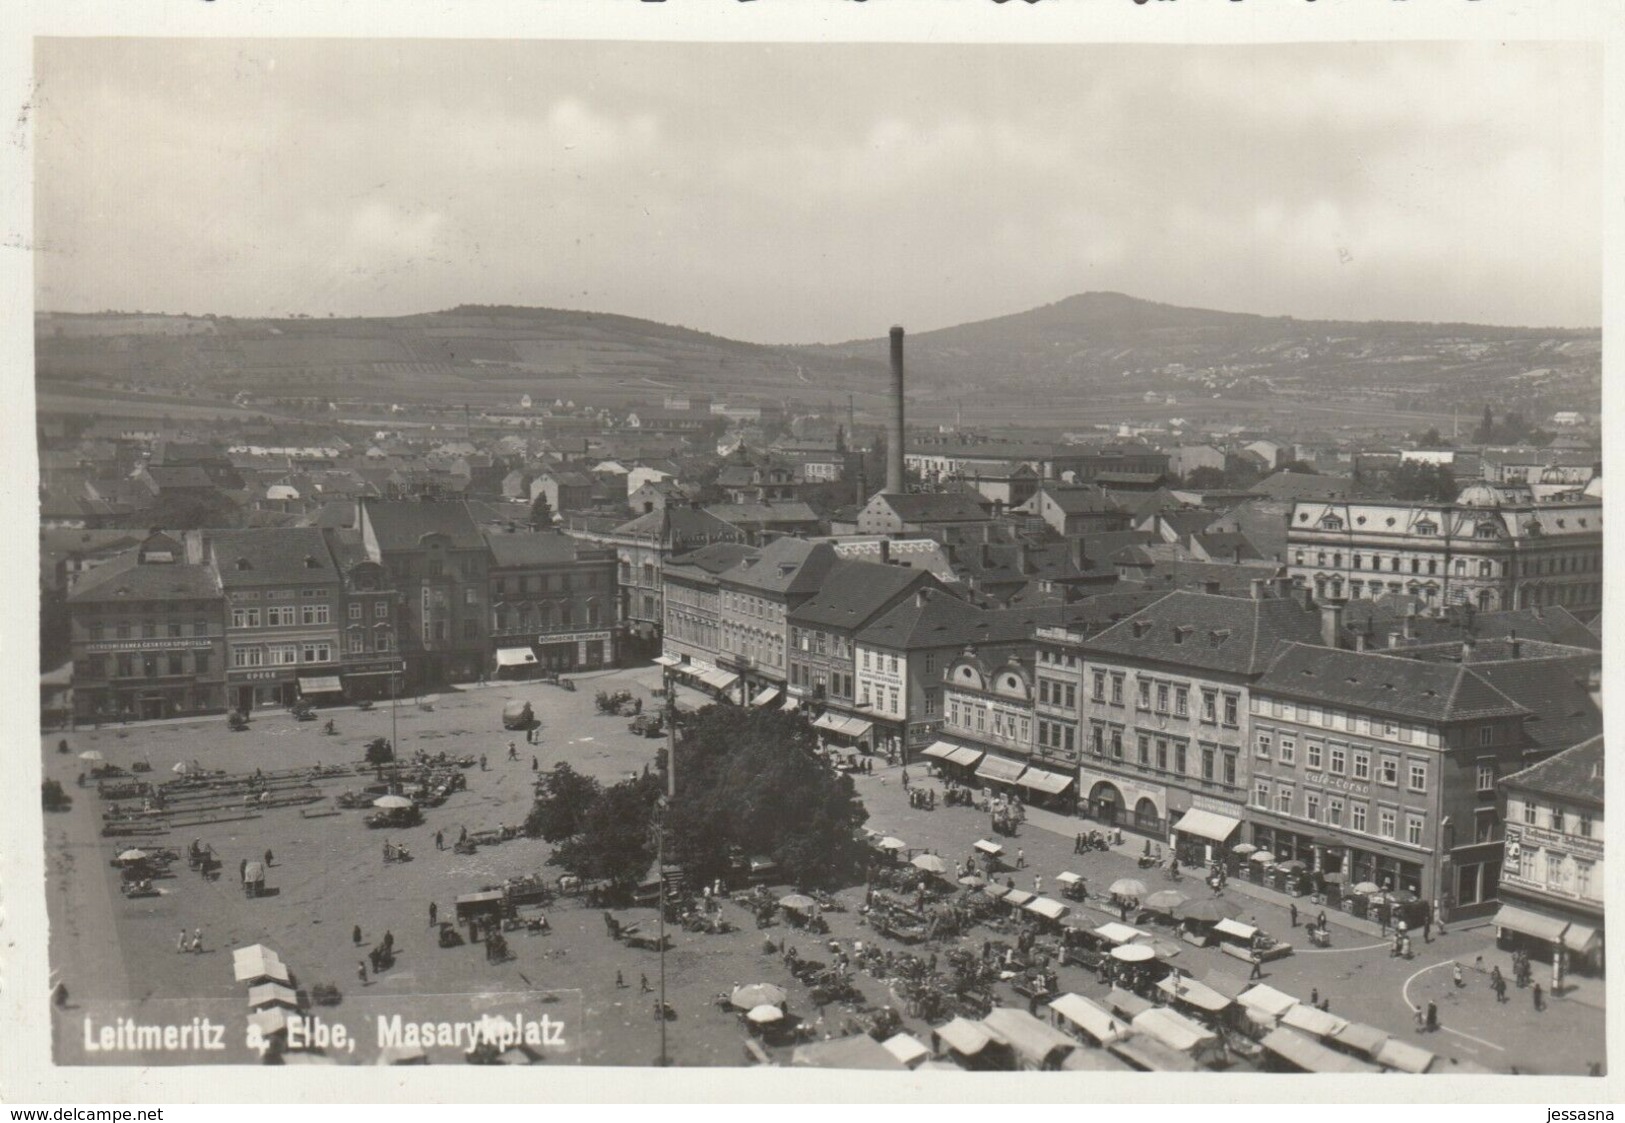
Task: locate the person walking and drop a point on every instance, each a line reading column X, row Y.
column 643, row 984
column 434, row 914
column 1540, row 999
column 1038, row 884
column 355, row 935
column 482, row 763
column 267, row 859
column 535, row 765
column 1498, row 984
column 1433, row 1016
column 513, row 751
column 197, row 941
column 242, row 870
column 1455, row 976
column 361, row 971
column 1021, row 859
column 181, row 943
column 439, row 840
column 1258, row 967
column 1292, row 911
column 1427, row 930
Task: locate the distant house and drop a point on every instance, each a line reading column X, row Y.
column 657, row 495
column 894, row 513
column 566, row 489
column 759, row 521
column 1074, row 509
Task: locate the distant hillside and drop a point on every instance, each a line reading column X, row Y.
column 1091, row 357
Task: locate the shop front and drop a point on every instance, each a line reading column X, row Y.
column 844, row 731
column 999, row 773
column 1052, row 790
column 1205, row 832
column 1118, row 801
column 321, row 690
column 265, row 687
column 370, row 681
column 574, row 651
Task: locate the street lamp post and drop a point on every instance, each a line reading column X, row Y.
column 661, row 807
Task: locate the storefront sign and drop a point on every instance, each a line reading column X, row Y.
column 1217, row 806
column 571, row 637
column 200, row 643
column 1337, row 783
column 1539, row 836
column 257, row 676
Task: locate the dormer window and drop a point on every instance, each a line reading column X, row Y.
column 1426, row 528
column 242, row 565
column 1217, row 638
column 312, row 563
column 1331, row 522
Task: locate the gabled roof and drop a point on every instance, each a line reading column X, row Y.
column 786, row 566
column 1575, row 774
column 1385, row 683
column 853, row 592
column 947, row 506
column 1075, row 499
column 787, row 511
column 1557, row 693
column 1238, row 635
column 679, row 526
column 545, row 547
column 1301, row 485
column 291, row 555
column 716, row 558
column 400, row 525
column 126, row 579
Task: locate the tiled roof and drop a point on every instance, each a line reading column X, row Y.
column 784, row 566
column 936, row 507
column 403, row 525
column 1301, row 485
column 788, row 511
column 713, row 559
column 680, row 526
column 1232, row 634
column 1075, row 500
column 290, row 555
column 1385, row 683
column 853, row 591
column 547, row 547
column 1555, row 691
column 1575, row 774
column 1228, row 545
column 126, row 579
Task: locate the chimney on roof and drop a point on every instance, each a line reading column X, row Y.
column 1514, row 645
column 921, row 597
column 894, row 429
column 1080, row 560
column 1331, row 624
column 1359, row 641
column 1210, row 586
column 1259, row 585
column 885, row 551
column 1408, row 622
column 1394, row 638
column 1236, row 556
column 1467, row 650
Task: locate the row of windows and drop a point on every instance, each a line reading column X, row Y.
column 1283, row 800
column 1057, row 735
column 888, row 699
column 281, row 616
column 147, row 629
column 544, row 583
column 1340, row 760
column 151, row 665
column 972, row 716
column 380, row 610
column 745, row 605
column 1563, row 874
column 1431, row 566
column 873, row 661
column 1053, row 693
column 1555, row 818
column 820, row 642
column 1216, row 763
column 1310, row 713
column 280, row 654
column 527, row 617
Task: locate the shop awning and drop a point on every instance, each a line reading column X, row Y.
column 965, row 757
column 1126, row 1003
column 515, row 656
column 1308, row 1055
column 718, row 679
column 1361, row 1038
column 1538, row 925
column 667, row 660
column 998, row 769
column 1114, row 933
column 258, row 962
column 1268, row 1001
column 1235, row 928
column 320, row 684
column 1093, row 1019
column 1579, row 937
column 791, row 704
column 1173, row 1029
column 1316, row 1023
column 765, row 695
column 940, row 750
column 1404, row 1057
column 1150, row 1055
column 843, row 726
column 1207, row 824
column 908, row 1049
column 963, row 1036
column 1193, row 993
column 1048, row 908
column 1019, row 898
column 1051, row 783
column 987, row 847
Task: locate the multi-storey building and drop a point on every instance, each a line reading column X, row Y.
column 1493, row 548
column 1383, row 769
column 693, row 626
column 439, row 561
column 1164, row 709
column 823, row 642
column 988, row 708
column 283, row 595
column 147, row 636
column 1552, row 876
column 553, row 602
column 757, row 596
column 370, row 662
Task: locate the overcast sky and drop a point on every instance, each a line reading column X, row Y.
column 819, row 193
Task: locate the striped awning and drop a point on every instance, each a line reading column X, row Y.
column 964, row 757
column 765, row 695
column 1050, row 783
column 1530, row 923
column 999, row 769
column 941, row 750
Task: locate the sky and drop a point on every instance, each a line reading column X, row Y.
column 818, row 193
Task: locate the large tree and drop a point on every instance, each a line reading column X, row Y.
column 749, row 782
column 541, row 515
column 563, row 799
column 615, row 842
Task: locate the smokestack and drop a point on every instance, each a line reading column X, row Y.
column 1331, row 624
column 894, row 429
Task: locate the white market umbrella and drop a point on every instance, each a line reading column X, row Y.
column 391, row 802
column 890, row 843
column 1133, row 953
column 764, row 1014
column 132, row 855
column 91, row 754
column 758, row 994
column 930, row 863
column 181, row 767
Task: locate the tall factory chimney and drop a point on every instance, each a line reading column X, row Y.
column 894, row 427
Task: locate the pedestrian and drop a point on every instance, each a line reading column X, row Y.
column 482, row 762
column 1258, row 968
column 355, row 935
column 267, row 859
column 1038, row 883
column 1292, row 911
column 1498, row 984
column 1427, row 930
column 389, row 940
column 439, row 840
column 197, row 940
column 1433, row 1016
column 1320, row 921
column 434, row 914
column 1455, row 975
column 620, row 981
column 513, row 751
column 181, row 944
column 1021, row 859
column 535, row 765
column 643, row 984
column 1540, row 998
column 242, row 870
column 905, row 779
column 361, row 971
column 1314, row 996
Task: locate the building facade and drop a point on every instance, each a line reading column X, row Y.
column 1494, row 548
column 1552, row 877
column 283, row 605
column 553, row 602
column 147, row 637
column 370, row 660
